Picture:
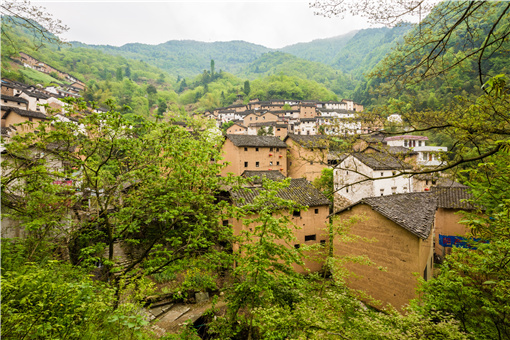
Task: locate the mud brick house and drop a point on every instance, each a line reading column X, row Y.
column 246, row 152
column 451, row 201
column 307, row 155
column 237, row 129
column 309, row 227
column 14, row 115
column 401, row 226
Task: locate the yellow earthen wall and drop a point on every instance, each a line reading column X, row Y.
column 400, row 252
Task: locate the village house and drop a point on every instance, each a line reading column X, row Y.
column 269, row 128
column 307, row 155
column 309, row 225
column 246, row 152
column 370, row 174
column 397, row 237
column 237, row 128
column 428, row 156
column 451, row 201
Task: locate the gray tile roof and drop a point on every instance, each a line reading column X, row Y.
column 273, row 175
column 452, row 197
column 310, row 141
column 260, row 141
column 382, row 161
column 299, row 191
column 14, row 99
column 394, row 150
column 414, row 212
column 24, row 113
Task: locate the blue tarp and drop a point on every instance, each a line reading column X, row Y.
column 458, row 241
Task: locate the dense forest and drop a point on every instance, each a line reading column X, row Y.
column 153, row 186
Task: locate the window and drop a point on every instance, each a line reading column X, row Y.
column 225, row 223
column 245, row 149
column 251, row 118
column 347, row 173
column 290, row 163
column 311, row 163
column 427, row 182
column 382, row 174
column 316, row 210
column 277, row 162
column 393, row 190
column 270, row 163
column 310, row 237
column 256, row 149
column 257, row 164
column 271, row 149
column 278, row 129
column 323, row 242
column 245, row 164
column 277, row 149
column 419, row 143
column 346, row 189
column 382, row 192
column 405, row 189
column 296, row 213
column 296, row 246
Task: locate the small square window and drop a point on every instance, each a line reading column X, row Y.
column 257, row 164
column 296, row 246
column 256, row 149
column 225, row 223
column 277, row 162
column 271, row 149
column 323, row 242
column 316, row 210
column 382, row 174
column 245, row 164
column 245, row 149
column 296, row 213
column 277, row 149
column 310, row 237
column 270, row 163
column 311, row 163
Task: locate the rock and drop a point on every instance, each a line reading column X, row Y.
column 201, row 297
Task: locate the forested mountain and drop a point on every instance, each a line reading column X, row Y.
column 283, row 63
column 321, row 50
column 187, row 58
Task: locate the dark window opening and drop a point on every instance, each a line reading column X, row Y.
column 296, row 213
column 310, row 237
column 296, row 246
column 225, row 223
column 245, row 149
column 245, row 164
column 256, row 149
column 257, row 164
column 271, row 149
column 323, row 242
column 316, row 211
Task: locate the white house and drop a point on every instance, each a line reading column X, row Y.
column 427, row 155
column 361, row 175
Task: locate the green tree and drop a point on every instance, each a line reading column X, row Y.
column 118, row 74
column 132, row 183
column 247, row 87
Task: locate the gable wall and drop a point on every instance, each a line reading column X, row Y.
column 396, row 249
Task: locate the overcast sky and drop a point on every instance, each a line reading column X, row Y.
column 272, row 24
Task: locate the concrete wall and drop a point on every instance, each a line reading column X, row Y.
column 400, row 252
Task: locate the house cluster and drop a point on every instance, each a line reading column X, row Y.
column 282, row 117
column 30, row 62
column 21, row 103
column 403, row 213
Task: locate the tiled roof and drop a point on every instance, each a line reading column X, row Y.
column 310, row 141
column 406, row 137
column 262, row 141
column 14, row 99
column 278, row 124
column 376, row 137
column 394, row 150
column 299, row 191
column 381, row 161
column 36, row 95
column 414, row 212
column 452, row 197
column 24, row 113
column 273, row 175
